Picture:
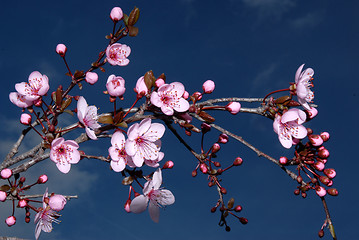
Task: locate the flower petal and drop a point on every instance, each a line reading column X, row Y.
column 297, row 74
column 63, row 167
column 81, row 108
column 119, row 165
column 154, row 211
column 145, row 124
column 139, row 204
column 167, row 198
column 90, row 133
column 157, row 179
column 182, row 105
column 155, row 132
column 156, row 100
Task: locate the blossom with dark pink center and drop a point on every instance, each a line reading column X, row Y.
column 169, row 98
column 303, row 84
column 116, row 54
column 119, row 157
column 87, row 115
column 153, row 196
column 20, row 100
column 115, row 86
column 143, row 141
column 64, row 153
column 37, row 86
column 288, row 126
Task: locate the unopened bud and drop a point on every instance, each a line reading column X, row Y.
column 159, row 82
column 330, row 172
column 228, row 229
column 185, row 95
column 319, row 166
column 238, row 208
column 27, row 219
column 10, row 221
column 168, row 165
column 283, row 160
column 220, row 171
column 304, row 194
column 213, row 209
column 2, row 196
column 6, row 173
column 223, row 190
column 217, row 164
column 238, row 161
column 91, row 77
column 315, row 140
column 25, row 119
column 333, row 191
column 215, row 148
column 197, row 96
column 22, row 203
column 325, row 136
column 42, row 179
column 208, row 86
column 324, row 153
column 324, row 179
column 243, row 220
column 223, row 138
column 296, row 191
column 205, row 127
column 210, row 184
column 127, row 205
column 312, row 112
column 61, row 49
column 22, row 179
column 194, row 173
column 233, row 107
column 299, row 179
column 116, row 14
column 203, row 168
column 321, row 233
column 320, row 191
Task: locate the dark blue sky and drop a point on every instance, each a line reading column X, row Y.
column 249, row 48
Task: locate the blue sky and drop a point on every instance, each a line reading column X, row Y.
column 249, row 48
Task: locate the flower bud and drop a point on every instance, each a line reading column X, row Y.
column 25, row 119
column 38, row 102
column 321, row 233
column 319, row 166
column 312, row 112
column 185, row 95
column 2, row 196
column 57, row 202
column 299, row 179
column 324, row 153
column 27, row 219
column 10, row 221
column 233, row 107
column 127, row 205
column 42, row 179
column 315, row 140
column 22, row 180
column 223, row 190
column 141, row 88
column 223, row 138
column 159, row 82
column 208, row 86
column 203, row 168
column 6, row 173
column 168, row 165
column 115, row 86
column 228, row 229
column 325, row 136
column 217, row 164
column 333, row 191
column 238, row 161
column 283, row 160
column 238, row 208
column 304, row 194
column 116, row 14
column 197, row 96
column 194, row 173
column 324, row 179
column 22, row 203
column 213, row 209
column 205, row 127
column 330, row 172
column 320, row 191
column 61, row 49
column 243, row 220
column 296, row 191
column 216, row 147
column 91, row 77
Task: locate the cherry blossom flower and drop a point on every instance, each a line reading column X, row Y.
column 153, row 196
column 303, row 84
column 91, row 77
column 117, row 54
column 87, row 115
column 37, row 86
column 10, row 221
column 115, row 86
column 64, row 153
column 155, row 163
column 143, row 141
column 57, row 202
column 45, row 217
column 169, row 98
column 3, row 196
column 20, row 100
column 117, row 151
column 141, row 88
column 288, row 126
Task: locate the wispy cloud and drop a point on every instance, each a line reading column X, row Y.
column 270, row 8
column 309, row 20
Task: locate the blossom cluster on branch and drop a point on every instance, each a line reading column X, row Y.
column 135, row 134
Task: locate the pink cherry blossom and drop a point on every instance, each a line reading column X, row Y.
column 22, row 203
column 116, row 14
column 87, row 115
column 2, row 196
column 169, row 98
column 288, row 126
column 153, row 196
column 155, row 163
column 10, row 221
column 141, row 88
column 143, row 141
column 115, row 86
column 91, row 77
column 6, row 173
column 303, row 84
column 116, row 54
column 61, row 49
column 321, row 192
column 20, row 100
column 208, row 86
column 57, row 202
column 37, row 86
column 45, row 217
column 119, row 157
column 64, row 153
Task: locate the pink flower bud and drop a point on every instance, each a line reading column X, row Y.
column 22, row 203
column 324, row 153
column 333, row 191
column 42, row 179
column 10, row 221
column 61, row 49
column 91, row 77
column 2, row 196
column 203, row 168
column 115, row 86
column 197, row 95
column 312, row 112
column 315, row 140
column 238, row 161
column 6, row 173
column 116, row 14
column 223, row 138
column 25, row 119
column 208, row 86
column 283, row 160
column 185, row 95
column 168, row 165
column 330, row 172
column 38, row 102
column 238, row 208
column 205, row 127
column 243, row 220
column 57, row 202
column 319, row 166
column 215, row 147
column 324, row 179
column 320, row 191
column 325, row 136
column 141, row 88
column 233, row 107
column 159, row 82
column 127, row 205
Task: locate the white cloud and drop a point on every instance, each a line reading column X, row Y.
column 309, row 20
column 270, row 8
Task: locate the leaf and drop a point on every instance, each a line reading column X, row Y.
column 127, row 180
column 149, row 79
column 122, row 124
column 5, row 188
column 78, row 74
column 69, row 112
column 283, row 100
column 133, row 31
column 134, row 15
column 208, row 118
column 66, row 103
column 58, row 96
column 230, row 203
column 105, row 119
column 118, row 118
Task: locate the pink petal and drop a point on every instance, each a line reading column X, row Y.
column 165, row 88
column 167, row 110
column 57, row 141
column 90, row 133
column 75, row 157
column 113, row 153
column 156, row 100
column 81, row 108
column 139, row 204
column 285, row 138
column 71, row 143
column 131, row 147
column 297, row 74
column 167, row 198
column 154, row 212
column 118, row 166
column 133, row 132
column 45, row 86
column 299, row 132
column 144, row 126
column 64, row 167
column 182, row 105
column 34, row 75
column 179, row 88
column 277, row 124
column 309, row 72
column 137, row 159
column 157, row 179
column 155, row 132
column 19, row 100
column 118, row 138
